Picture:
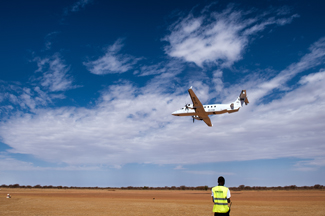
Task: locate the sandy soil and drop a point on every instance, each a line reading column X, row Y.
column 152, row 202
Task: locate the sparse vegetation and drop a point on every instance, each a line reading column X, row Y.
column 182, row 187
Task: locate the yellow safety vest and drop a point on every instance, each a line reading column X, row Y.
column 220, row 199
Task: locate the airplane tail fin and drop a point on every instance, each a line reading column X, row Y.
column 239, row 102
column 243, row 97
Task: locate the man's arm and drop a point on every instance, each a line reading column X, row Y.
column 212, row 195
column 227, row 200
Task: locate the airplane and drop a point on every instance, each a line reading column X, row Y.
column 202, row 112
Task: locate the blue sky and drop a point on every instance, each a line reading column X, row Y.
column 87, row 89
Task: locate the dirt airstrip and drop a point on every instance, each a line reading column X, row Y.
column 157, row 202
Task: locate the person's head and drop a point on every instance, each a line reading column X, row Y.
column 221, row 181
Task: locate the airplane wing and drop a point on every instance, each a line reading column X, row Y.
column 207, row 121
column 199, row 110
column 195, row 100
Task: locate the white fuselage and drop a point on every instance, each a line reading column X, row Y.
column 210, row 109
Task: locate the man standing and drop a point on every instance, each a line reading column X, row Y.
column 221, row 198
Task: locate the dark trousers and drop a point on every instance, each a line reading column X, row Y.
column 219, row 214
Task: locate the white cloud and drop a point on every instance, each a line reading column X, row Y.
column 314, row 58
column 217, row 80
column 48, row 40
column 134, row 124
column 218, row 38
column 80, row 4
column 179, row 167
column 128, row 126
column 112, row 61
column 119, row 108
column 26, row 99
column 55, row 75
column 208, row 172
column 22, row 97
column 50, row 82
column 310, row 165
column 77, row 6
column 9, row 163
column 174, row 67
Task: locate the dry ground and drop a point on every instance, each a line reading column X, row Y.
column 152, row 202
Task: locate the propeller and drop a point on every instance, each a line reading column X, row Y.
column 193, row 118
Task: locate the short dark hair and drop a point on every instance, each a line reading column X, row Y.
column 221, row 181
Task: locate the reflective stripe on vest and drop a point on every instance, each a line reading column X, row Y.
column 220, row 199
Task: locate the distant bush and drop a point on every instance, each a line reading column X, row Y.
column 293, row 187
column 317, row 186
column 247, row 188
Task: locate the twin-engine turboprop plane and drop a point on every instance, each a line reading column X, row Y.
column 202, row 112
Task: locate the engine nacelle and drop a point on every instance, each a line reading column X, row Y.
column 197, row 118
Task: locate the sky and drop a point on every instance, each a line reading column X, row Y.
column 87, row 89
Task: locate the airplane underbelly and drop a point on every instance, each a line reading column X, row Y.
column 184, row 114
column 216, row 112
